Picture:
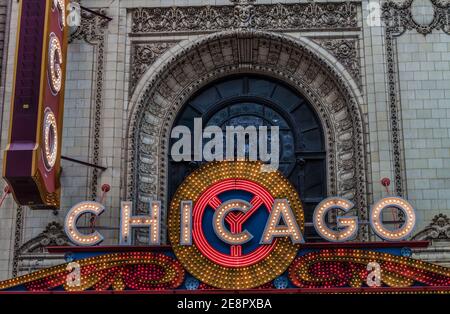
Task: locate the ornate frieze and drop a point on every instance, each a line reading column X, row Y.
column 246, row 14
column 142, row 57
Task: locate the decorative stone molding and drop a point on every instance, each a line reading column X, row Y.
column 92, row 28
column 158, row 99
column 438, row 253
column 142, row 57
column 438, row 230
column 17, row 240
column 32, row 255
column 398, row 18
column 346, row 51
column 92, row 31
column 246, row 14
column 53, row 235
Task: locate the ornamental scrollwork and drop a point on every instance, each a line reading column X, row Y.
column 348, row 267
column 399, row 17
column 439, row 229
column 91, row 29
column 119, row 271
column 245, row 14
column 346, row 52
column 143, row 55
column 53, row 235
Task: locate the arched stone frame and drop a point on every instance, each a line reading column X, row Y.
column 190, row 65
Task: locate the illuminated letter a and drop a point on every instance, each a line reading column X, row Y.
column 274, row 228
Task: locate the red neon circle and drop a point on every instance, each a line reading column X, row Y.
column 208, row 197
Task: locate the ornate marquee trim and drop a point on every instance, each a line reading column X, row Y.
column 323, row 271
column 348, row 267
column 120, row 271
column 242, row 51
column 398, row 18
column 246, row 14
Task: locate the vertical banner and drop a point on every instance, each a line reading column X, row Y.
column 31, row 163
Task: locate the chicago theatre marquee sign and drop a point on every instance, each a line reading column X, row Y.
column 231, row 226
column 235, row 227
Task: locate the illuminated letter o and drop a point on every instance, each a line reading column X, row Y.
column 377, row 224
column 50, row 139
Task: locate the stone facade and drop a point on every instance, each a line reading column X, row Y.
column 380, row 87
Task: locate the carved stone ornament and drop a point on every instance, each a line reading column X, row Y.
column 399, row 17
column 143, row 55
column 438, row 230
column 165, row 88
column 53, row 235
column 92, row 27
column 244, row 10
column 246, row 14
column 346, row 51
column 17, row 239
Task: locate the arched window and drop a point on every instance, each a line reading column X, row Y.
column 262, row 101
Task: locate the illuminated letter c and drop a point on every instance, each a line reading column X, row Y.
column 71, row 223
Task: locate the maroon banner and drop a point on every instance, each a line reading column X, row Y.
column 31, row 163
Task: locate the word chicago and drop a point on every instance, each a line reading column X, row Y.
column 280, row 223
